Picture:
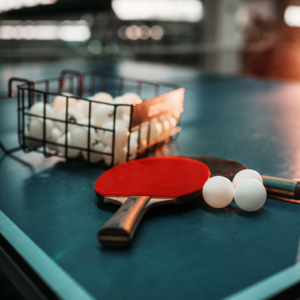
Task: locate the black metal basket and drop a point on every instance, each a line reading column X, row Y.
column 159, row 101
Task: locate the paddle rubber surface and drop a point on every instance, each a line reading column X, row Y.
column 155, row 177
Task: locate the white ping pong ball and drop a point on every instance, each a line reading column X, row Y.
column 73, row 117
column 102, row 113
column 36, row 128
column 218, row 191
column 120, row 156
column 123, row 100
column 246, row 174
column 80, row 104
column 84, row 106
column 133, row 98
column 94, row 157
column 126, row 119
column 121, row 135
column 143, row 143
column 100, row 97
column 103, row 97
column 80, row 134
column 119, row 111
column 155, row 131
column 60, row 102
column 55, row 134
column 133, row 145
column 172, row 122
column 165, row 126
column 71, row 151
column 250, row 195
column 38, row 109
column 107, row 158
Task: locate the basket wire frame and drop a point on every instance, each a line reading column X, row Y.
column 82, row 86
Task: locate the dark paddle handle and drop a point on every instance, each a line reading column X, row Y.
column 118, row 231
column 280, row 187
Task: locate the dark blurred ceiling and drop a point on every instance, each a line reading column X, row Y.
column 60, row 7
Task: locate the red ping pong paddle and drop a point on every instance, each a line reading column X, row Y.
column 159, row 180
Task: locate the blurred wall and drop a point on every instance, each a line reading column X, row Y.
column 223, row 35
column 278, row 54
column 229, row 36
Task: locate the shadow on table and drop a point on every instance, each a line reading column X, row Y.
column 154, row 212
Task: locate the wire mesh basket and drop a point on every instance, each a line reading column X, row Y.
column 51, row 111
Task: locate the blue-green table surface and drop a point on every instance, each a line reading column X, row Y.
column 179, row 252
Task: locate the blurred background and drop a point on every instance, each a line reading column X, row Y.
column 241, row 37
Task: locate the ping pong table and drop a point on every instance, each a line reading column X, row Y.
column 49, row 214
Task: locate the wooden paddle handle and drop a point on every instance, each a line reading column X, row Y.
column 280, row 187
column 118, row 231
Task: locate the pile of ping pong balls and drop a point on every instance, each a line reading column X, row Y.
column 246, row 188
column 101, row 115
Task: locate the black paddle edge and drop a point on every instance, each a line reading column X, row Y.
column 219, row 166
column 179, row 200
